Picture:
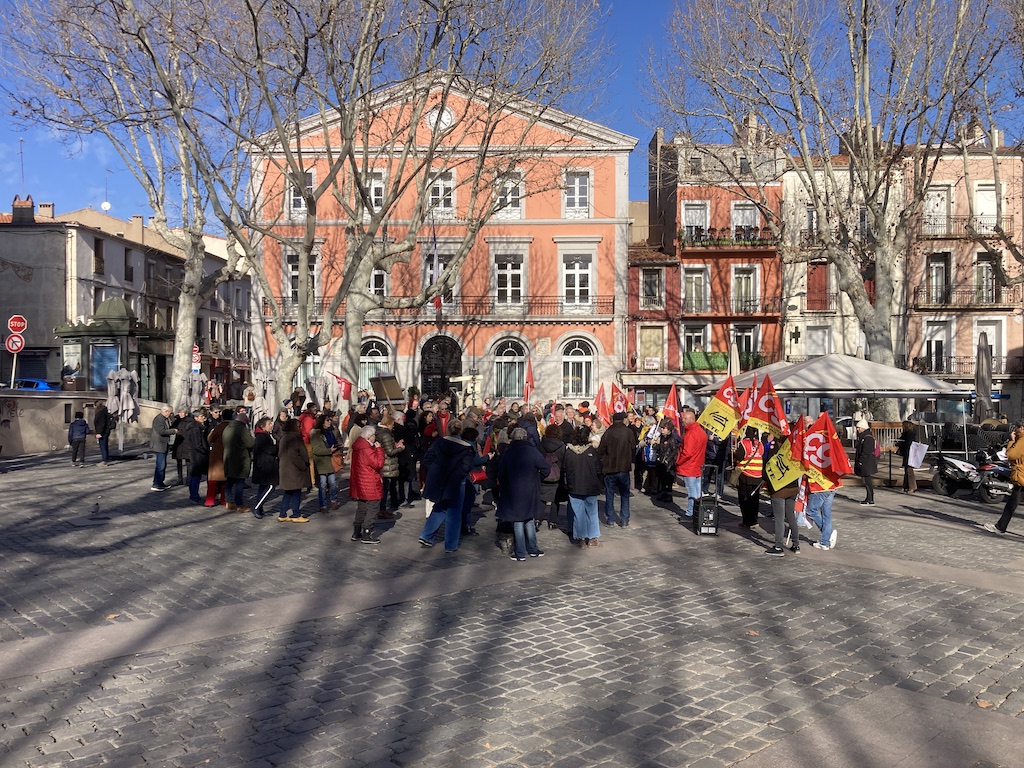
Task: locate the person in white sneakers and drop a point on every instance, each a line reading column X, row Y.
column 1015, row 455
column 819, row 512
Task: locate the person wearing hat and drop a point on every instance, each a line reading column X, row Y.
column 615, row 452
column 865, row 463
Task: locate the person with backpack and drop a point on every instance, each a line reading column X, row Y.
column 865, row 460
column 552, row 490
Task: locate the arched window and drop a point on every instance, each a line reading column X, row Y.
column 509, row 369
column 577, row 369
column 374, row 359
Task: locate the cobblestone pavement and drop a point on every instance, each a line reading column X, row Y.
column 660, row 649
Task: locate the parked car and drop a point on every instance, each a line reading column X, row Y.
column 844, row 426
column 37, row 384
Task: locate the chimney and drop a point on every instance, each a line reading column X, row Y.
column 136, row 229
column 23, row 211
column 46, row 210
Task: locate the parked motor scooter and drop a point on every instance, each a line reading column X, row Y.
column 951, row 475
column 994, row 469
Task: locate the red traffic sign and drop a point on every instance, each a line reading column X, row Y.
column 195, row 354
column 15, row 343
column 17, row 324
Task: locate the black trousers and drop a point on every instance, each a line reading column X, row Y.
column 1009, row 509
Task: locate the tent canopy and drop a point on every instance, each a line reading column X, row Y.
column 842, row 376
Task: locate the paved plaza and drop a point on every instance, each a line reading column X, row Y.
column 154, row 632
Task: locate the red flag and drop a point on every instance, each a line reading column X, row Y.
column 796, row 441
column 528, row 385
column 487, row 445
column 620, row 403
column 767, row 413
column 745, row 403
column 825, row 457
column 671, row 408
column 601, row 407
column 344, row 386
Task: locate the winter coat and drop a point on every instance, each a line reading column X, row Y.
column 448, row 464
column 196, row 447
column 264, row 459
column 553, row 492
column 906, row 439
column 386, row 438
column 581, row 471
column 238, row 442
column 321, row 453
column 179, row 450
column 617, row 448
column 864, row 461
column 520, row 471
column 1015, row 455
column 365, row 482
column 690, row 462
column 293, row 462
column 103, row 422
column 78, row 430
column 215, row 470
column 667, row 450
column 160, row 435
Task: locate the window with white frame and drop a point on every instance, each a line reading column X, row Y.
column 984, row 280
column 442, row 195
column 374, row 359
column 747, row 346
column 745, row 221
column 694, row 339
column 378, row 283
column 508, row 279
column 297, row 195
column 937, row 277
column 695, row 297
column 695, row 220
column 510, row 196
column 744, row 289
column 577, row 195
column 577, row 279
column 985, row 208
column 375, row 192
column 577, row 369
column 433, row 268
column 652, row 288
column 745, row 166
column 292, row 271
column 509, row 369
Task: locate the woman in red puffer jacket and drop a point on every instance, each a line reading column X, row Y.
column 365, row 484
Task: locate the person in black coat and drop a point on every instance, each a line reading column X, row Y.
column 906, row 439
column 552, row 491
column 582, row 476
column 865, row 464
column 103, row 423
column 198, row 452
column 520, row 471
column 265, row 464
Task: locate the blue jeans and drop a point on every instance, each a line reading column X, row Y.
column 616, row 483
column 290, row 500
column 104, row 443
column 526, row 536
column 451, row 516
column 585, row 523
column 160, row 468
column 327, row 489
column 236, row 491
column 692, row 492
column 819, row 512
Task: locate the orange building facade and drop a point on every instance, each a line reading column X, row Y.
column 543, row 287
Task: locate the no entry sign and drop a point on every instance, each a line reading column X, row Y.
column 15, row 343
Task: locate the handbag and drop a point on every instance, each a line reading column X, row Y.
column 338, row 461
column 477, row 476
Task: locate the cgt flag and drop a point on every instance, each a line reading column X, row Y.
column 782, row 469
column 670, row 410
column 601, row 407
column 344, row 386
column 766, row 413
column 745, row 403
column 528, row 385
column 824, row 457
column 620, row 403
column 723, row 412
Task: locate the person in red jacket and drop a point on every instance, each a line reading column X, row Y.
column 365, row 484
column 690, row 461
column 307, row 420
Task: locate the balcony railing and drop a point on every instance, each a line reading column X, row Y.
column 977, row 296
column 703, row 305
column 964, row 365
column 939, row 227
column 821, row 302
column 746, row 237
column 716, row 362
column 481, row 308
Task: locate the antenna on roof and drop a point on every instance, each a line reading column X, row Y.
column 21, row 154
column 105, row 205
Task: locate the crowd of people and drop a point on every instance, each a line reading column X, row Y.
column 536, row 465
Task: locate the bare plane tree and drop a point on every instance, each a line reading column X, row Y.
column 860, row 96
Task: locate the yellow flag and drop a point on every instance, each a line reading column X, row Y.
column 782, row 469
column 719, row 418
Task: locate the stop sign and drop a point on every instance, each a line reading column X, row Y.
column 17, row 324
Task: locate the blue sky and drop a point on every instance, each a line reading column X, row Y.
column 89, row 171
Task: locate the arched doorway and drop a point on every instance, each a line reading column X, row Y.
column 442, row 361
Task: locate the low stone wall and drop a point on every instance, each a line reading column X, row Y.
column 37, row 422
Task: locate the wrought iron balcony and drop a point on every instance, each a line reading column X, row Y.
column 743, row 237
column 477, row 308
column 957, row 227
column 821, row 302
column 757, row 305
column 976, row 297
column 964, row 365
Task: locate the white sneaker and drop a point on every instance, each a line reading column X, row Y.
column 992, row 529
column 819, row 545
column 833, row 538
